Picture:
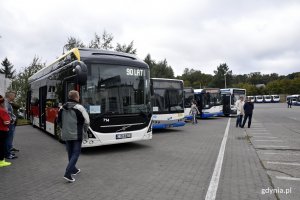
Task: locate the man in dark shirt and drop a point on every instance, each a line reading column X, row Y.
column 248, row 108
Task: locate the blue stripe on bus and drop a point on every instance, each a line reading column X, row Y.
column 208, row 115
column 163, row 126
column 189, row 117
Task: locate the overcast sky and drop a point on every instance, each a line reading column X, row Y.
column 249, row 35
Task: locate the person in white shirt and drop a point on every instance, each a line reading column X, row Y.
column 239, row 104
column 194, row 111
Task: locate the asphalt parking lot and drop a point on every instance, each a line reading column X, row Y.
column 178, row 163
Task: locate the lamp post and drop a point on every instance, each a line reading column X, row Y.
column 225, row 79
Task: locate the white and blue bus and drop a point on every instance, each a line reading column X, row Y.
column 229, row 97
column 209, row 102
column 295, row 99
column 167, row 103
column 188, row 98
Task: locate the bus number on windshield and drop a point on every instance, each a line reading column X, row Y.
column 135, row 72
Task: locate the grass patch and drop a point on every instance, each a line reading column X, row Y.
column 21, row 122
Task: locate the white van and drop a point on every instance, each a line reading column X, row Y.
column 259, row 99
column 267, row 98
column 275, row 98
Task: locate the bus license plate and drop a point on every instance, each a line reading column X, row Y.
column 123, row 136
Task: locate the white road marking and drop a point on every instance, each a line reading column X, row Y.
column 288, row 178
column 283, row 163
column 261, row 136
column 214, row 182
column 288, row 154
column 268, row 140
column 264, row 146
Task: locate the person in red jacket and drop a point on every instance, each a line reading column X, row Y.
column 4, row 128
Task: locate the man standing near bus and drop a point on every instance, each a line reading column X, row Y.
column 248, row 108
column 10, row 150
column 74, row 122
column 239, row 111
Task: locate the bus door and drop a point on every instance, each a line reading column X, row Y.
column 226, row 104
column 42, row 106
column 28, row 105
column 68, row 84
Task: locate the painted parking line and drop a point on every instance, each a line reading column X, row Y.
column 214, row 182
column 268, row 140
column 272, row 146
column 288, row 178
column 261, row 136
column 283, row 163
column 288, row 154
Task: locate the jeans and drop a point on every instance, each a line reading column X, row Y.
column 3, row 136
column 239, row 120
column 73, row 149
column 249, row 121
column 195, row 118
column 9, row 139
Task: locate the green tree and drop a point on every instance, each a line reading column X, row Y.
column 103, row 42
column 274, row 87
column 195, row 78
column 7, row 69
column 73, row 43
column 162, row 70
column 219, row 77
column 151, row 63
column 126, row 48
column 20, row 83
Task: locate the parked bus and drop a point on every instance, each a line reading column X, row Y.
column 114, row 88
column 188, row 98
column 295, row 99
column 209, row 102
column 167, row 103
column 267, row 98
column 275, row 98
column 229, row 97
column 259, row 99
column 252, row 98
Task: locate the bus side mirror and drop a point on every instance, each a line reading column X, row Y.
column 81, row 72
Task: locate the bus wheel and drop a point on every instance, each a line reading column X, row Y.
column 58, row 133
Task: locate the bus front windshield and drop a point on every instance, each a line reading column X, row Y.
column 116, row 89
column 208, row 99
column 167, row 97
column 237, row 94
column 188, row 98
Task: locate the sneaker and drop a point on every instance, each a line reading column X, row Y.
column 3, row 163
column 69, row 178
column 14, row 150
column 77, row 172
column 11, row 156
